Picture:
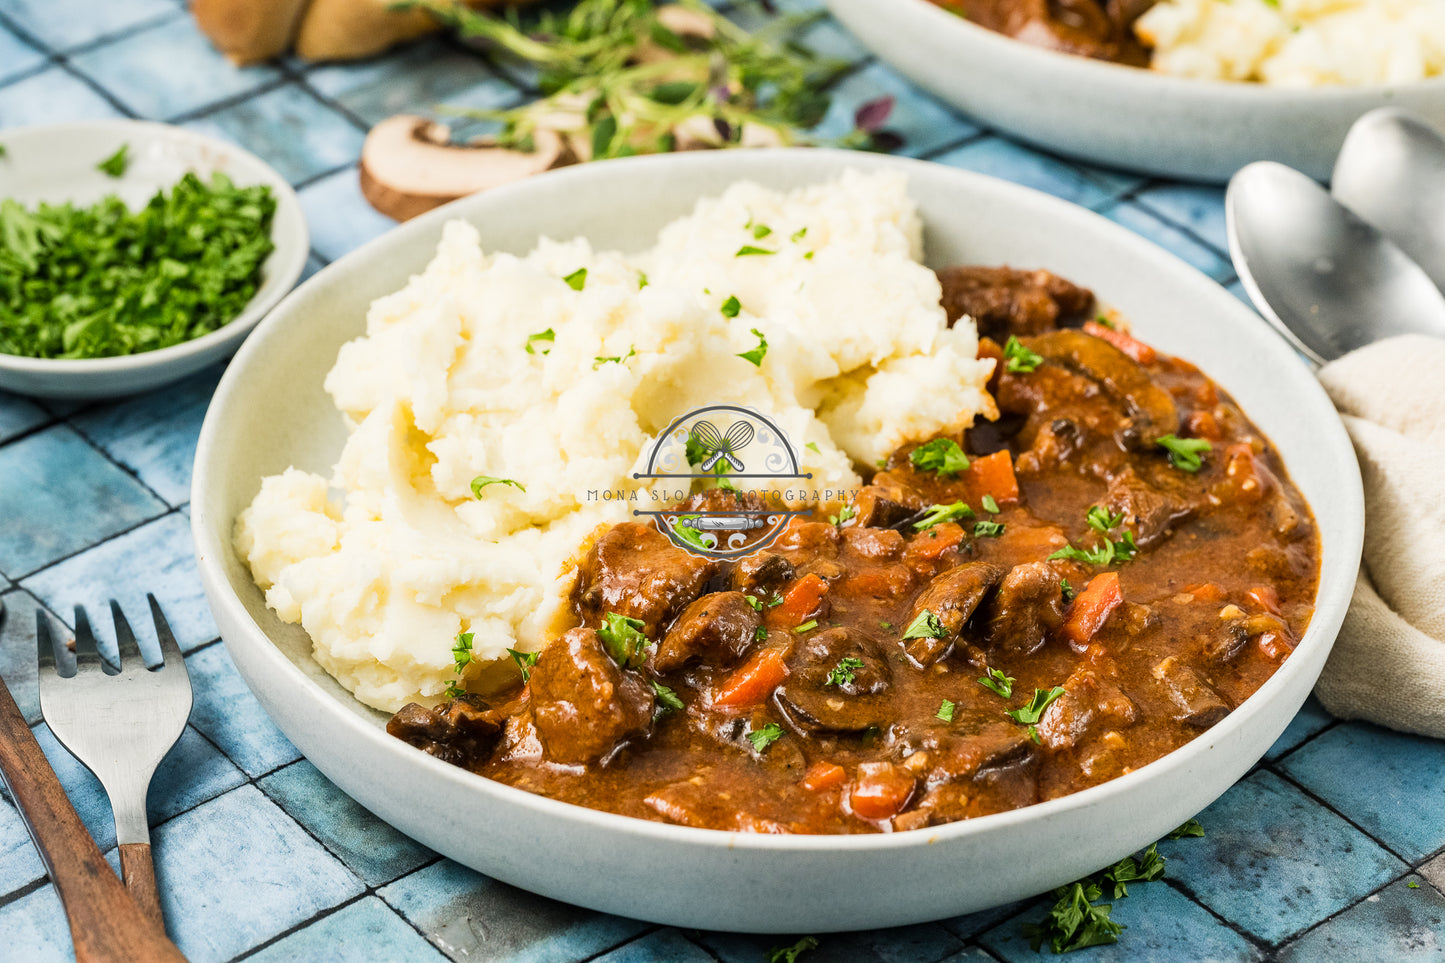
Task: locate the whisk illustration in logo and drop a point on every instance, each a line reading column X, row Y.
column 732, row 446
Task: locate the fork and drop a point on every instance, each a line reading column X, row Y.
column 119, row 719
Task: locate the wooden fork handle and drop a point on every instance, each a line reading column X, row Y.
column 140, row 880
column 106, row 925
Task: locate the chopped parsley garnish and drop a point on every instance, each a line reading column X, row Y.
column 1019, row 359
column 454, row 689
column 462, row 650
column 1185, row 453
column 761, row 231
column 755, row 602
column 757, row 354
column 623, row 639
column 577, row 280
column 845, row 514
column 102, row 280
column 989, row 505
column 667, row 700
column 483, row 481
column 748, row 249
column 642, row 281
column 731, row 306
column 807, row 626
column 1148, row 867
column 115, row 164
column 760, row 634
column 766, row 736
column 1121, row 549
column 1075, row 921
column 1412, row 884
column 799, row 234
column 842, row 673
column 1104, row 319
column 687, row 533
column 525, row 661
column 600, row 361
column 945, row 711
column 940, row 455
column 995, row 681
column 938, row 514
column 1190, row 828
column 790, row 954
column 1100, row 520
column 882, row 624
column 987, row 529
column 1068, row 590
column 775, row 600
column 813, row 447
column 1031, row 713
column 548, row 336
column 926, row 626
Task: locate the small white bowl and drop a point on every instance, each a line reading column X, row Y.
column 1120, row 116
column 57, row 163
column 271, row 411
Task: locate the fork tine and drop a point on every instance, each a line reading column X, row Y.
column 85, row 648
column 126, row 649
column 169, row 650
column 44, row 642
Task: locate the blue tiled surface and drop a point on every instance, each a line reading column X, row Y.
column 1309, row 858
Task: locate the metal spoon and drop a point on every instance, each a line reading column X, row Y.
column 1391, row 172
column 1319, row 274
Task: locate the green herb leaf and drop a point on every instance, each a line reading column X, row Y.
column 1068, row 590
column 987, row 529
column 1110, row 551
column 454, row 689
column 842, row 673
column 941, row 455
column 667, row 699
column 757, row 354
column 1412, row 884
column 1190, row 828
column 623, row 639
column 766, row 736
column 577, row 280
column 926, row 626
column 938, row 514
column 1104, row 319
column 462, row 650
column 807, row 626
column 754, row 602
column 799, row 234
column 1100, row 520
column 813, row 447
column 1185, row 453
column 761, row 231
column 995, row 681
column 687, row 533
column 115, row 164
column 615, row 359
column 1031, row 713
column 547, row 336
column 845, row 514
column 1149, row 866
column 945, row 711
column 989, row 505
column 760, row 634
column 525, row 661
column 642, row 281
column 482, row 481
column 1018, row 358
column 748, row 249
column 1075, row 921
column 731, row 307
column 790, row 954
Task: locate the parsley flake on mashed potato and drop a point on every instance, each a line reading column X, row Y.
column 442, row 389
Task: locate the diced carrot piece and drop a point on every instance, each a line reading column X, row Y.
column 932, row 543
column 881, row 790
column 994, row 475
column 1243, row 480
column 754, row 682
column 1206, row 591
column 1266, row 597
column 1133, row 347
column 1203, row 424
column 1092, row 607
column 989, row 348
column 1276, row 646
column 824, row 775
column 802, row 600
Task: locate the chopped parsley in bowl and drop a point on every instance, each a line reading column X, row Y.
column 132, row 254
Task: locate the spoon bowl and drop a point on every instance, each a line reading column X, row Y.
column 1323, row 277
column 1391, row 172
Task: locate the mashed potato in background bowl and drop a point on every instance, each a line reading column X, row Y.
column 528, row 369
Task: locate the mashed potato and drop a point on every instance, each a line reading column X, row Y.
column 387, row 561
column 1298, row 43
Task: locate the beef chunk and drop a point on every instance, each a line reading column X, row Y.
column 953, row 756
column 635, row 571
column 855, row 698
column 952, row 597
column 1026, row 610
column 1198, row 704
column 760, row 573
column 718, row 628
column 1004, row 301
column 462, row 732
column 1153, row 507
column 584, row 705
column 1089, row 702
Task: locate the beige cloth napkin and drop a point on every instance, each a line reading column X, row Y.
column 1388, row 665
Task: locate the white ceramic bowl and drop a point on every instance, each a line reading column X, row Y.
column 57, row 163
column 270, row 412
column 1120, row 116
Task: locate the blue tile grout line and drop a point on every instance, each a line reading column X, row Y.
column 1191, row 218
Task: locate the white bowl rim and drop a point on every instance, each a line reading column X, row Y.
column 1248, row 93
column 288, row 270
column 208, row 552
